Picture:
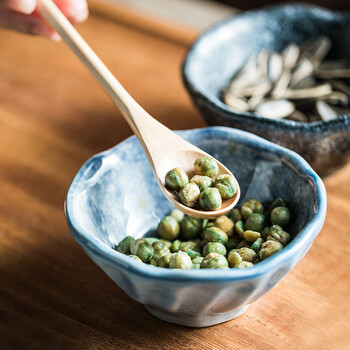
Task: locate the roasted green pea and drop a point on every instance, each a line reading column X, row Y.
column 190, row 227
column 280, row 216
column 226, row 185
column 175, row 247
column 187, row 246
column 197, row 260
column 250, row 207
column 214, row 261
column 160, row 249
column 269, row 248
column 210, row 224
column 164, row 261
column 214, row 247
column 124, row 245
column 206, row 166
column 239, row 228
column 255, row 222
column 232, row 242
column 226, row 224
column 235, row 215
column 176, row 178
column 142, row 249
column 278, row 202
column 233, row 258
column 135, row 257
column 151, row 240
column 180, row 260
column 243, row 265
column 199, row 244
column 244, row 244
column 177, row 214
column 210, row 199
column 265, row 232
column 193, row 254
column 256, row 246
column 251, row 236
column 166, row 242
column 278, row 234
column 215, row 234
column 168, row 228
column 202, row 182
column 189, row 194
column 247, row 254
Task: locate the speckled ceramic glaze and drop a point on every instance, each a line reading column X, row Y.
column 220, row 52
column 115, row 194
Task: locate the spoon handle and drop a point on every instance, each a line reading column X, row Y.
column 135, row 115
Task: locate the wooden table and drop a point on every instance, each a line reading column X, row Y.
column 53, row 117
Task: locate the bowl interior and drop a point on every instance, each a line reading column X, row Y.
column 220, row 52
column 115, row 193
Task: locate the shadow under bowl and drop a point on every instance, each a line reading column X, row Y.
column 219, row 53
column 115, row 194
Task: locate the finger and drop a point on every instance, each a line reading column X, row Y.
column 29, row 24
column 21, row 6
column 76, row 11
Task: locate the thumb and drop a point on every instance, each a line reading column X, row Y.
column 22, row 6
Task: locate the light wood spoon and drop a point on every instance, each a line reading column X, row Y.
column 164, row 149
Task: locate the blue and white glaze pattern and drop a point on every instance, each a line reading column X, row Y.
column 218, row 54
column 115, row 194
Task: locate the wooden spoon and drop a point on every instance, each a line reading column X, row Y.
column 164, row 149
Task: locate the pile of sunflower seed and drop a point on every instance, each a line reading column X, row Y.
column 296, row 84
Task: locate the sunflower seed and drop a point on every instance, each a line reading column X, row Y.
column 262, row 64
column 333, row 73
column 325, row 111
column 281, row 85
column 290, row 56
column 314, row 92
column 337, row 98
column 259, row 89
column 305, row 83
column 297, row 116
column 340, row 86
column 335, row 64
column 275, row 66
column 316, row 49
column 235, row 102
column 275, row 109
column 303, row 70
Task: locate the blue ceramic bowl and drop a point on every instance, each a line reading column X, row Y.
column 115, row 194
column 221, row 51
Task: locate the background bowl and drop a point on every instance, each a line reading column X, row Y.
column 115, row 194
column 221, row 51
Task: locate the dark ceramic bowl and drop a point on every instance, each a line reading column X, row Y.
column 220, row 52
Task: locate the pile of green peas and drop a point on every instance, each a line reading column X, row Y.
column 240, row 239
column 201, row 188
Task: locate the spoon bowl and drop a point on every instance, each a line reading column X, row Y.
column 164, row 149
column 185, row 160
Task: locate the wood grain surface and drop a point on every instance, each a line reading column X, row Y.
column 53, row 117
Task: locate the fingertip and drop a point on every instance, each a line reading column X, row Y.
column 22, row 6
column 77, row 11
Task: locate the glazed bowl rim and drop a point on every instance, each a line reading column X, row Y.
column 195, row 89
column 90, row 243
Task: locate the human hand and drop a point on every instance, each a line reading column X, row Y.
column 22, row 16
